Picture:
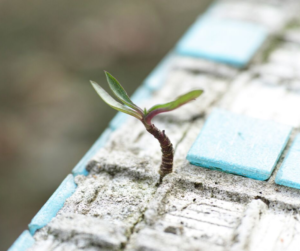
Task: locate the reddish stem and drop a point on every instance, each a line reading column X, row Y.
column 166, row 166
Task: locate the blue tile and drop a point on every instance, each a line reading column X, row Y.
column 156, row 78
column 53, row 205
column 238, row 144
column 80, row 167
column 118, row 120
column 139, row 97
column 24, row 241
column 289, row 172
column 222, row 40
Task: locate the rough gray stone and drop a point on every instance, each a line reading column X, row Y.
column 249, row 221
column 151, row 240
column 255, row 98
column 273, row 16
column 101, row 212
column 77, row 232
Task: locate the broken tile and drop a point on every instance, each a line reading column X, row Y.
column 289, row 172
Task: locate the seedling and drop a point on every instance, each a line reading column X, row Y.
column 146, row 116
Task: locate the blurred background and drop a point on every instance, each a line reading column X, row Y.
column 49, row 114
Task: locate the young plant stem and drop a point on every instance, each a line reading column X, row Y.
column 166, row 166
column 145, row 116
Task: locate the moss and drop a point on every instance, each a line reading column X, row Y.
column 294, row 24
column 272, row 45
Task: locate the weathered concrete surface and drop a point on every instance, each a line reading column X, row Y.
column 120, row 206
column 270, row 14
column 102, row 211
column 222, row 211
column 75, row 231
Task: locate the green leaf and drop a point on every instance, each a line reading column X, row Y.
column 113, row 103
column 181, row 100
column 120, row 92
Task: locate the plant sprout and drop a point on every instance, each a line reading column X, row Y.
column 146, row 116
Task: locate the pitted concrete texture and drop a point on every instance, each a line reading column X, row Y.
column 101, row 213
column 120, row 205
column 271, row 90
column 195, row 217
column 119, row 198
column 216, row 211
column 75, row 232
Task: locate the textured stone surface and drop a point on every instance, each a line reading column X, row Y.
column 191, row 217
column 101, row 212
column 282, row 67
column 271, row 16
column 81, row 232
column 255, row 98
column 210, row 210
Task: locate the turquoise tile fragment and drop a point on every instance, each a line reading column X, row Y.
column 24, row 241
column 139, row 97
column 53, row 205
column 238, row 144
column 222, row 40
column 156, row 78
column 100, row 142
column 289, row 172
column 118, row 120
